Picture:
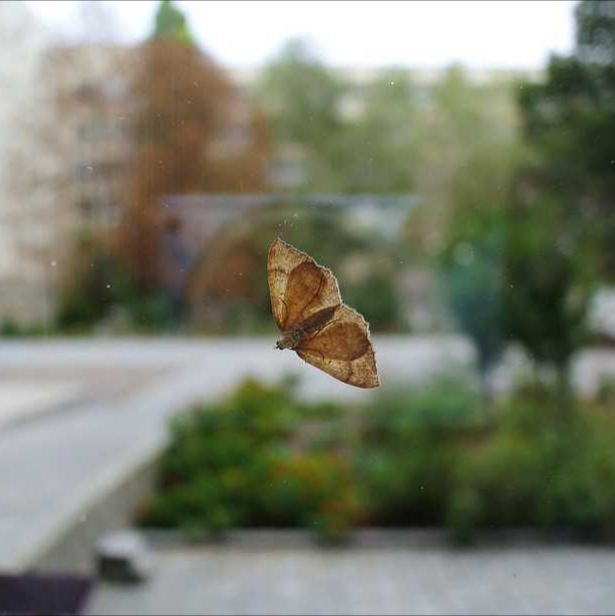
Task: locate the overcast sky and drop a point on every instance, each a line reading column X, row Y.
column 502, row 34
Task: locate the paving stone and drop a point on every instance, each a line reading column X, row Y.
column 388, row 580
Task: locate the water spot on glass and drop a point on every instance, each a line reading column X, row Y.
column 565, row 245
column 464, row 254
column 108, row 286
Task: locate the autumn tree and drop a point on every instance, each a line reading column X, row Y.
column 192, row 133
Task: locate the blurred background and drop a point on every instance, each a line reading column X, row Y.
column 453, row 163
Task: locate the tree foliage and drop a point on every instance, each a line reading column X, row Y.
column 171, row 23
column 548, row 283
column 351, row 141
column 570, row 120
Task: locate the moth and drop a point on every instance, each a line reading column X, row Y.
column 307, row 307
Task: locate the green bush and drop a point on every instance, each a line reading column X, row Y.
column 241, row 462
column 535, row 471
column 9, row 328
column 429, row 455
column 410, row 447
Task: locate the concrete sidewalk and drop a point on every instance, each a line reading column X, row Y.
column 398, row 576
column 24, row 399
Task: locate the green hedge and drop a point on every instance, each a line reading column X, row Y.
column 433, row 455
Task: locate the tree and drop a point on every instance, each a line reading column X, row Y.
column 594, row 36
column 548, row 281
column 171, row 23
column 467, row 169
column 468, row 145
column 192, row 133
column 353, row 138
column 561, row 229
column 379, row 150
column 471, row 276
column 570, row 121
column 302, row 100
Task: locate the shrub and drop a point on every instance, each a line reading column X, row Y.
column 239, row 462
column 410, row 447
column 316, row 490
column 422, row 456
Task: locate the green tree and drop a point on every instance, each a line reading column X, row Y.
column 471, row 276
column 595, row 28
column 302, row 100
column 548, row 281
column 468, row 144
column 378, row 150
column 353, row 138
column 561, row 231
column 474, row 139
column 171, row 23
column 570, row 120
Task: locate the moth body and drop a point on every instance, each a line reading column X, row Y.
column 294, row 337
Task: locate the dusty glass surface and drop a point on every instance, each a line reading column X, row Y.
column 414, row 199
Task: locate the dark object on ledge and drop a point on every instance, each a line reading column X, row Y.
column 123, row 557
column 43, row 594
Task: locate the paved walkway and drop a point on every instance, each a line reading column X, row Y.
column 58, row 464
column 393, row 579
column 25, row 398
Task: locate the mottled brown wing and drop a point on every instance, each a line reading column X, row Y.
column 343, row 350
column 298, row 286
